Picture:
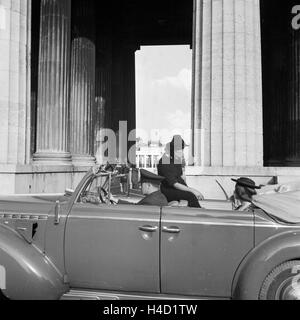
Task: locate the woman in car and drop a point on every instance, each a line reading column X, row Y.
column 170, row 167
column 245, row 189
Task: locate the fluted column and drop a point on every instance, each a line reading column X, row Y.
column 227, row 95
column 82, row 101
column 103, row 112
column 53, row 87
column 14, row 85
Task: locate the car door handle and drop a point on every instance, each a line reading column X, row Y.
column 148, row 229
column 173, row 230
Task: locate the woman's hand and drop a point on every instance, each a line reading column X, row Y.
column 198, row 194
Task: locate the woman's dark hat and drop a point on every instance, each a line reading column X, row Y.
column 178, row 143
column 246, row 182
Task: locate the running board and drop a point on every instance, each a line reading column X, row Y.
column 110, row 296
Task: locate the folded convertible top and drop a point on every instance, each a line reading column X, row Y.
column 283, row 204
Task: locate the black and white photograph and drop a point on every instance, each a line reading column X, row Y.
column 149, row 151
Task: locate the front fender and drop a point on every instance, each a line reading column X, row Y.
column 261, row 261
column 26, row 274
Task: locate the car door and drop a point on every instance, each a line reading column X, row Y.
column 113, row 248
column 202, row 249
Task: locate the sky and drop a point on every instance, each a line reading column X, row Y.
column 163, row 83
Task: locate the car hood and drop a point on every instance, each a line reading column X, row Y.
column 26, row 204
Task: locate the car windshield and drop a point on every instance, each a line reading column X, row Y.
column 105, row 188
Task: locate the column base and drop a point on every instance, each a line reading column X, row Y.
column 83, row 160
column 55, row 158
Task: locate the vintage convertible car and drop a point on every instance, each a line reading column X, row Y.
column 81, row 246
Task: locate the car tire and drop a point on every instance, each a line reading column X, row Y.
column 283, row 283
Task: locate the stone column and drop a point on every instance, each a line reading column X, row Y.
column 53, row 87
column 227, row 95
column 103, row 96
column 14, row 106
column 83, row 65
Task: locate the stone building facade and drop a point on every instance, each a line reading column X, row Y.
column 67, row 70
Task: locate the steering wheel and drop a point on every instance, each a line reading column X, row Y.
column 105, row 197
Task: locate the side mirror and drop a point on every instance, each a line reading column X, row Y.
column 57, row 213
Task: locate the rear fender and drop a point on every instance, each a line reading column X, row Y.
column 261, row 261
column 25, row 273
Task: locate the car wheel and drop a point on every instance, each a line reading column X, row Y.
column 283, row 283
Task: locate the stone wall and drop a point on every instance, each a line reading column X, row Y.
column 31, row 179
